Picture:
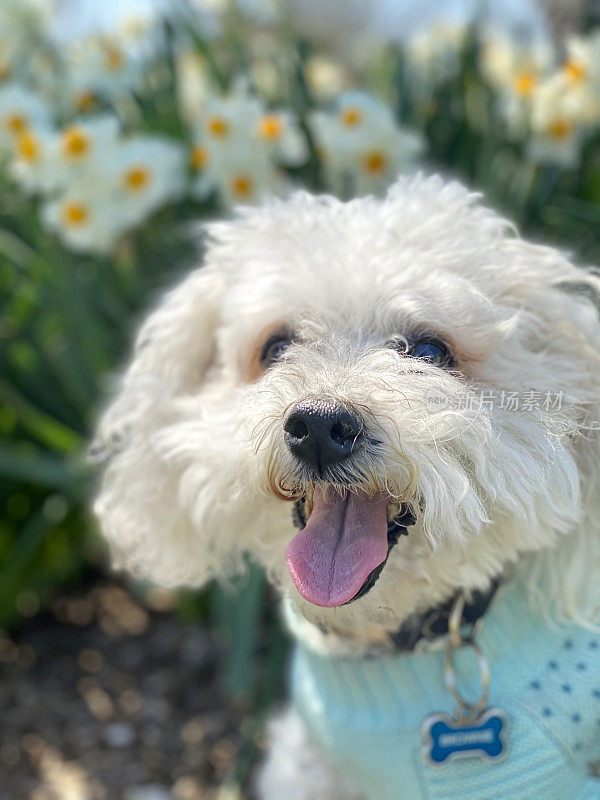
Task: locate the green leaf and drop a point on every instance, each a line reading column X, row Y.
column 43, row 427
column 37, row 468
column 28, row 544
column 238, row 611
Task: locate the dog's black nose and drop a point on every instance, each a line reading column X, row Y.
column 321, row 432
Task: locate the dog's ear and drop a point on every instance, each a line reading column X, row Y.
column 583, row 313
column 585, row 286
column 138, row 506
column 173, row 351
column 567, row 574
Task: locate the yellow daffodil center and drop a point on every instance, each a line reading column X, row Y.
column 560, row 129
column 137, row 179
column 84, row 101
column 242, row 186
column 15, row 123
column 75, row 143
column 270, row 127
column 113, row 57
column 198, row 157
column 28, row 147
column 217, row 127
column 74, row 214
column 575, row 70
column 524, row 84
column 375, row 162
column 351, row 117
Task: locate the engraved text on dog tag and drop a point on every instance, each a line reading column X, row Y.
column 483, row 736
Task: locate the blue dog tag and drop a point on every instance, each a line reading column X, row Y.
column 483, row 736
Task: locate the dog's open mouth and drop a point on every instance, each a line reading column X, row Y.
column 343, row 544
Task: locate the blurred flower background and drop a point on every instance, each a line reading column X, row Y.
column 123, row 124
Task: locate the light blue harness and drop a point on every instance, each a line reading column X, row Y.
column 367, row 713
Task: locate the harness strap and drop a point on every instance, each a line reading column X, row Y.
column 434, row 623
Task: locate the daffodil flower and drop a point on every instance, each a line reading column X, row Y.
column 239, row 146
column 106, row 184
column 103, row 67
column 556, row 131
column 31, row 166
column 279, row 132
column 146, row 173
column 516, row 71
column 20, row 110
column 361, row 146
column 83, row 220
column 433, row 56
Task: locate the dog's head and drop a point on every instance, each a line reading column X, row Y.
column 381, row 401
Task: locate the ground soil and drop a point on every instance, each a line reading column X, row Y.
column 107, row 697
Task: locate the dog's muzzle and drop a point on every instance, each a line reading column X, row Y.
column 345, row 536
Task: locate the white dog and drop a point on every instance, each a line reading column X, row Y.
column 418, row 390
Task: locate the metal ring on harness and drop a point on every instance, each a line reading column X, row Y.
column 456, row 641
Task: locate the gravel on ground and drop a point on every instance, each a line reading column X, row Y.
column 107, row 697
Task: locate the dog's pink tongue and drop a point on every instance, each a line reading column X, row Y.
column 345, row 538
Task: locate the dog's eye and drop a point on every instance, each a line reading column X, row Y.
column 274, row 348
column 433, row 351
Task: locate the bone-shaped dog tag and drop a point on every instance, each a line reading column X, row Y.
column 445, row 739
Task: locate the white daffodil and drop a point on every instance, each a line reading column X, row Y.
column 226, row 118
column 514, row 66
column 77, row 93
column 246, row 176
column 102, row 67
column 578, row 79
column 239, row 146
column 516, row 70
column 243, row 173
column 577, row 99
column 44, row 161
column 582, row 61
column 326, row 78
column 20, row 110
column 362, row 148
column 556, row 135
column 31, row 166
column 241, row 116
column 144, row 173
column 560, row 143
column 113, row 185
column 83, row 219
column 433, row 55
column 192, row 83
column 75, row 149
column 278, row 131
column 352, row 118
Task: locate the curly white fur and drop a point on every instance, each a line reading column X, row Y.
column 196, row 457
